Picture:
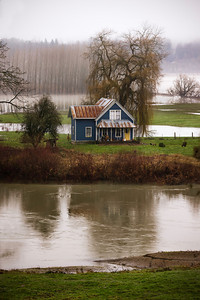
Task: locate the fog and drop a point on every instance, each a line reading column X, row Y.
column 69, row 21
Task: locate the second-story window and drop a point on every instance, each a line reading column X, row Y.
column 115, row 114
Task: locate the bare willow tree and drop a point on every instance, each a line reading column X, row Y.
column 12, row 82
column 126, row 69
column 185, row 86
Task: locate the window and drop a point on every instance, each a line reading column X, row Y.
column 117, row 132
column 115, row 114
column 88, row 132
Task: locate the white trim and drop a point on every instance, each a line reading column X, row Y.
column 96, row 130
column 75, row 130
column 120, row 106
column 88, row 127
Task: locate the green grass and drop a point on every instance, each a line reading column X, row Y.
column 18, row 118
column 176, row 284
column 65, row 118
column 11, row 118
column 179, row 117
column 172, row 146
column 11, row 139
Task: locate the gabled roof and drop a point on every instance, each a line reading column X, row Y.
column 90, row 111
column 86, row 111
column 95, row 111
column 104, row 102
column 109, row 105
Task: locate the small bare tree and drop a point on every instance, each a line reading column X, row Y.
column 12, row 82
column 126, row 69
column 185, row 86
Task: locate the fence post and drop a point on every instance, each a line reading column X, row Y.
column 175, row 135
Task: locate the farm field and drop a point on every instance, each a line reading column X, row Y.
column 146, row 146
column 181, row 114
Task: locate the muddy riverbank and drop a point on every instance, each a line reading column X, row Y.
column 159, row 260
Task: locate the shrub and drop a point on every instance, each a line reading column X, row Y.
column 35, row 165
column 43, row 165
column 196, row 152
column 161, row 145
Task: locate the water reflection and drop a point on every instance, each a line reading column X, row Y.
column 40, row 207
column 120, row 217
column 59, row 225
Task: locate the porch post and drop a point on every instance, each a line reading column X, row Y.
column 111, row 134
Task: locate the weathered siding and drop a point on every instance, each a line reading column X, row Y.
column 81, row 124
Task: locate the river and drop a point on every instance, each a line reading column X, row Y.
column 65, row 225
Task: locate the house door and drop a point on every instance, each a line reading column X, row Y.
column 127, row 134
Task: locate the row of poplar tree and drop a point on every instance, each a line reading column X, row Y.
column 50, row 68
column 55, row 68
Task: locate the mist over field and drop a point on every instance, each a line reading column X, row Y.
column 57, row 68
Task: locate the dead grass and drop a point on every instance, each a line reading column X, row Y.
column 45, row 165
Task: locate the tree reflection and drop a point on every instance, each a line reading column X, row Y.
column 120, row 215
column 190, row 192
column 40, row 206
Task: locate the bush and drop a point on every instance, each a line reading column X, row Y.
column 161, row 145
column 35, row 165
column 196, row 152
column 45, row 165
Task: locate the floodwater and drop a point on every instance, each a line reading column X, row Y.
column 154, row 130
column 66, row 225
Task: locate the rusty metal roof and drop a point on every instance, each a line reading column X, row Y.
column 104, row 102
column 90, row 111
column 86, row 111
column 115, row 124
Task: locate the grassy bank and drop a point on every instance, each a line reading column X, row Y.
column 61, row 165
column 147, row 146
column 18, row 118
column 177, row 115
column 175, row 284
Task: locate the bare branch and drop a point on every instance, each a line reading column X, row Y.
column 126, row 69
column 12, row 81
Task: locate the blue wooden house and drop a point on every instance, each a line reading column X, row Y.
column 106, row 120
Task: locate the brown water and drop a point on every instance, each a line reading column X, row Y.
column 65, row 225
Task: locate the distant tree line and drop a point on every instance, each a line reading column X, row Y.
column 182, row 58
column 56, row 68
column 51, row 68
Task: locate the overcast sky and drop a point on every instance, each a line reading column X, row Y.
column 73, row 20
